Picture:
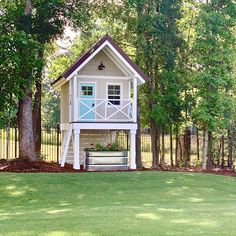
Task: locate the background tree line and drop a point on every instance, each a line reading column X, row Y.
column 186, row 48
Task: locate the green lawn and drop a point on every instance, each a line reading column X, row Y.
column 131, row 203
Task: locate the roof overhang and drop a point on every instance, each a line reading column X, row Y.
column 107, row 44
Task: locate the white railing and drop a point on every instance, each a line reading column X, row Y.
column 102, row 110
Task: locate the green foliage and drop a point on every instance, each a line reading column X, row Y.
column 41, row 157
column 23, row 39
column 213, row 53
column 100, row 147
column 158, row 44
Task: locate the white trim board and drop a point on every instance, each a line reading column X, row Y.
column 105, row 77
column 104, row 126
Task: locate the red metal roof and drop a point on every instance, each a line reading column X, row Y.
column 81, row 59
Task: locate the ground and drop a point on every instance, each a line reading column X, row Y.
column 125, row 203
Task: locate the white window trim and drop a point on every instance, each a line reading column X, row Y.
column 121, row 93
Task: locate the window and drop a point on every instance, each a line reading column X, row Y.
column 114, row 94
column 87, row 90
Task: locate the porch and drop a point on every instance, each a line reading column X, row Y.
column 98, row 99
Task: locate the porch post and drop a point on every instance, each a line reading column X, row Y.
column 135, row 88
column 75, row 99
column 76, row 164
column 132, row 149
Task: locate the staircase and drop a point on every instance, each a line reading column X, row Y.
column 65, row 146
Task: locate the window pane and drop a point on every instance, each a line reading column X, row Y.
column 86, row 90
column 114, row 94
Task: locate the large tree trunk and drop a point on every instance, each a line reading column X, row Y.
column 25, row 126
column 138, row 140
column 24, row 115
column 205, row 148
column 37, row 116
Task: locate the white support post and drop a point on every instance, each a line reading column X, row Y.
column 75, row 99
column 71, row 102
column 133, row 149
column 76, row 164
column 135, row 97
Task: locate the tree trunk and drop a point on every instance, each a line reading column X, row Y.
column 158, row 145
column 186, row 146
column 37, row 116
column 198, row 153
column 24, row 115
column 230, row 149
column 218, row 153
column 155, row 157
column 138, row 140
column 205, row 148
column 176, row 148
column 171, row 148
column 162, row 148
column 222, row 151
column 210, row 162
column 25, row 126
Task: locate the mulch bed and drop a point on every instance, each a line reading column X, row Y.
column 25, row 166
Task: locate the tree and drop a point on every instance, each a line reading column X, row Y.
column 26, row 30
column 212, row 56
column 157, row 43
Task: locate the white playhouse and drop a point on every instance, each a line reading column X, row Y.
column 98, row 97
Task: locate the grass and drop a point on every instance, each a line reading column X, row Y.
column 128, row 203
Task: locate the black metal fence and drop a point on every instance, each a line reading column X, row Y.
column 51, row 145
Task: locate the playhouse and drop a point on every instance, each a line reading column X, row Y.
column 98, row 95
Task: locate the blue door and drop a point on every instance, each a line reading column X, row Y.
column 87, row 101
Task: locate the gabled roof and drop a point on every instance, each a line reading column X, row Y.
column 106, row 38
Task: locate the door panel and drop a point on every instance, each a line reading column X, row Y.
column 87, row 101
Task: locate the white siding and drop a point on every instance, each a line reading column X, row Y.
column 92, row 67
column 64, row 103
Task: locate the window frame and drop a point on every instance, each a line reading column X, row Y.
column 121, row 93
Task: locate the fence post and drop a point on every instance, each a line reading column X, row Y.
column 58, row 145
column 15, row 142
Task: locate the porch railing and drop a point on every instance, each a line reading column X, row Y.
column 110, row 110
